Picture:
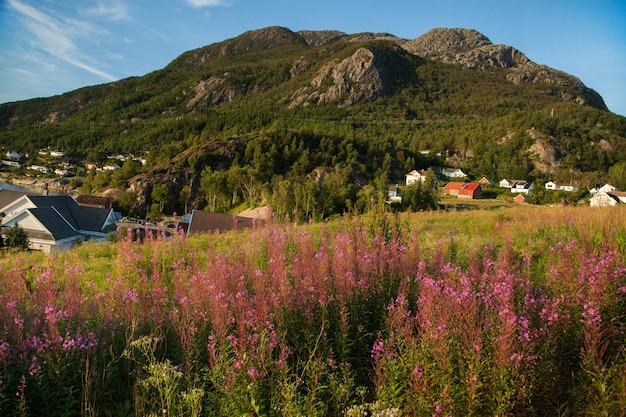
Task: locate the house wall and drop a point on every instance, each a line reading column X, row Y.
column 16, row 207
column 602, row 200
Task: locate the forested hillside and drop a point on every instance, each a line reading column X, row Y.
column 322, row 122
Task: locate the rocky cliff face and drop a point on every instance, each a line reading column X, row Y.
column 355, row 79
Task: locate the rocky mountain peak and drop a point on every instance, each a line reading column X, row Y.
column 320, row 37
column 443, row 41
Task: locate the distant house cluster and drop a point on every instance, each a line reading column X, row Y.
column 54, row 223
column 59, row 163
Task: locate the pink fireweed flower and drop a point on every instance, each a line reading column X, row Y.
column 378, row 349
column 591, row 315
column 34, row 366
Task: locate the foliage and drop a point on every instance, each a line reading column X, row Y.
column 15, row 238
column 516, row 311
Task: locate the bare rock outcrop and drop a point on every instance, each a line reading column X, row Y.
column 544, row 154
column 355, row 79
column 212, row 91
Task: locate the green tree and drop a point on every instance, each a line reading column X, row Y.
column 161, row 195
column 16, row 238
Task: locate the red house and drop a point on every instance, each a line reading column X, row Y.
column 471, row 190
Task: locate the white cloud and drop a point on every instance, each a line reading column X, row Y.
column 206, row 3
column 109, row 10
column 55, row 35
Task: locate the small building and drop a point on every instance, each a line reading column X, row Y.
column 40, row 168
column 524, row 187
column 393, row 195
column 13, row 156
column 486, row 181
column 520, row 198
column 603, row 199
column 470, row 190
column 206, row 222
column 416, row 176
column 553, row 186
column 506, row 183
column 449, row 172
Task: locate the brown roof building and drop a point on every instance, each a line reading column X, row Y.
column 205, row 222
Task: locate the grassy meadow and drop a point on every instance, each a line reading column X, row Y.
column 508, row 311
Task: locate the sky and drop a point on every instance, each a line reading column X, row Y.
column 48, row 47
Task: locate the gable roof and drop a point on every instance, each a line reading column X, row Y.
column 79, row 217
column 51, row 219
column 9, row 196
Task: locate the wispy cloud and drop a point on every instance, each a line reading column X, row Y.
column 54, row 34
column 207, row 3
column 109, row 10
column 157, row 33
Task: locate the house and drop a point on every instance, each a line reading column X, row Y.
column 416, row 176
column 553, row 186
column 111, row 167
column 486, row 181
column 393, row 195
column 522, row 187
column 449, row 172
column 40, row 168
column 471, row 190
column 205, row 222
column 520, row 198
column 506, row 183
column 12, row 155
column 603, row 199
column 10, row 163
column 55, row 223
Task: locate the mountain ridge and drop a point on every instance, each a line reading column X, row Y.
column 361, row 108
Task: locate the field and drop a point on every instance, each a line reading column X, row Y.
column 509, row 311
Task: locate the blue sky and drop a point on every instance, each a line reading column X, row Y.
column 53, row 46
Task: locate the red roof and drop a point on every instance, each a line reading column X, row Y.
column 469, row 189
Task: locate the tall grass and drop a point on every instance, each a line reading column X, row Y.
column 507, row 312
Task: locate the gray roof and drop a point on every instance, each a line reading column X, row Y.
column 79, row 217
column 53, row 222
column 9, row 196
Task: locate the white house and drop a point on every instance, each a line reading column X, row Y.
column 416, row 176
column 54, row 223
column 603, row 199
column 551, row 185
column 40, row 168
column 522, row 187
column 450, row 172
column 506, row 183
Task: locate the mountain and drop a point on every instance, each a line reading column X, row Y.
column 369, row 106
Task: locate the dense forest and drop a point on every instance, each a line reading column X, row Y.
column 222, row 121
